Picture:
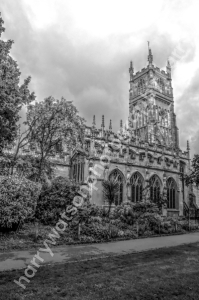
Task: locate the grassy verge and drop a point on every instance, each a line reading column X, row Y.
column 170, row 273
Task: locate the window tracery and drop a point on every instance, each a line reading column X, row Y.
column 136, row 182
column 77, row 168
column 116, row 175
column 155, row 186
column 171, row 193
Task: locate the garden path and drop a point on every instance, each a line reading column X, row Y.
column 71, row 253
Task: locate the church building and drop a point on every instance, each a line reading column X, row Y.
column 144, row 153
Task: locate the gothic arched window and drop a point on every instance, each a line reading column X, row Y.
column 136, row 187
column 77, row 168
column 171, row 193
column 155, row 185
column 118, row 176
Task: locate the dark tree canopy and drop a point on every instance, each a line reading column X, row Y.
column 193, row 177
column 12, row 95
column 54, row 126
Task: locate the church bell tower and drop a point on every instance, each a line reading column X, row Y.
column 151, row 106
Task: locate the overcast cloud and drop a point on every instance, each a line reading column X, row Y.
column 81, row 50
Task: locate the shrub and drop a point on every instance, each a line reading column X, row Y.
column 86, row 239
column 97, row 231
column 113, row 231
column 145, row 207
column 129, row 233
column 5, row 164
column 96, row 211
column 96, row 219
column 54, row 199
column 148, row 233
column 121, row 233
column 18, row 198
column 141, row 229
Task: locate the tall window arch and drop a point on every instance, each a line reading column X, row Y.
column 136, row 187
column 118, row 176
column 77, row 168
column 171, row 193
column 155, row 186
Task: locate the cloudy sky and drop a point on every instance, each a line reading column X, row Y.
column 81, row 49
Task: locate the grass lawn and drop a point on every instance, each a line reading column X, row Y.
column 171, row 273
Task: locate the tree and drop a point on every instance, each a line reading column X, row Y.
column 110, row 190
column 54, row 199
column 193, row 177
column 18, row 200
column 12, row 95
column 55, row 126
column 28, row 166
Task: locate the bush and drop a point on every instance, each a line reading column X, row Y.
column 5, row 164
column 86, row 239
column 18, row 198
column 96, row 211
column 53, row 200
column 113, row 231
column 145, row 207
column 130, row 233
column 97, row 231
column 96, row 219
column 130, row 213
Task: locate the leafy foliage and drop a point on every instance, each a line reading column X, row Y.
column 53, row 200
column 18, row 198
column 98, row 231
column 55, row 126
column 110, row 190
column 26, row 166
column 193, row 177
column 29, row 166
column 12, row 95
column 5, row 164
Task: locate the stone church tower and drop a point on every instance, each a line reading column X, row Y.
column 146, row 154
column 151, row 105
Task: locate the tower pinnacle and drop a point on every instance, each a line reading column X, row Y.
column 94, row 121
column 188, row 147
column 150, row 56
column 103, row 122
column 131, row 70
column 110, row 126
column 168, row 69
